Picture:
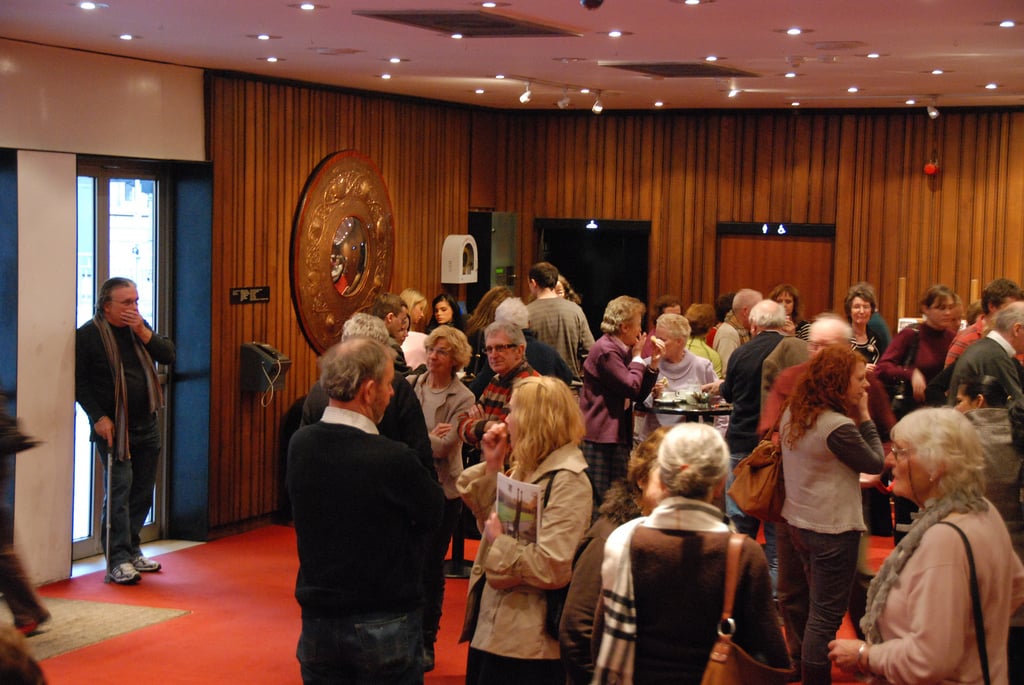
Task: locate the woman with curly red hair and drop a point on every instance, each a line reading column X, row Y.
column 828, row 440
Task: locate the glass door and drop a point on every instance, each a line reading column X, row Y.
column 119, row 220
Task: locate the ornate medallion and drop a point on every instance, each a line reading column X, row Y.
column 342, row 245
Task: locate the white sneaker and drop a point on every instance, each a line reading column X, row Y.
column 124, row 574
column 145, row 565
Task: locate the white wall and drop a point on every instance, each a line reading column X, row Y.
column 70, row 101
column 47, row 268
column 55, row 104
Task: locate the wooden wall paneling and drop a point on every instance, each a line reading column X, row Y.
column 265, row 138
column 1010, row 216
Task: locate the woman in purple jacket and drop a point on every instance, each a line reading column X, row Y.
column 614, row 377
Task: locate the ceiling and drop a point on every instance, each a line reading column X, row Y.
column 337, row 44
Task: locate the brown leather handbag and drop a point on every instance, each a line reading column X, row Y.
column 758, row 487
column 729, row 664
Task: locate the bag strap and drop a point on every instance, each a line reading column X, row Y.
column 732, row 572
column 911, row 353
column 726, row 625
column 979, row 621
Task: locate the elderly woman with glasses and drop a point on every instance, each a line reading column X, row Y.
column 443, row 397
column 919, row 624
column 664, row 574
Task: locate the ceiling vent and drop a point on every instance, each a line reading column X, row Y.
column 681, row 69
column 471, row 24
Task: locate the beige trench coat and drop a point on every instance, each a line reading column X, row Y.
column 512, row 604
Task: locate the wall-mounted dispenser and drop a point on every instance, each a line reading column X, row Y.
column 459, row 260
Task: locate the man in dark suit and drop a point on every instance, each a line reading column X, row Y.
column 362, row 506
column 994, row 355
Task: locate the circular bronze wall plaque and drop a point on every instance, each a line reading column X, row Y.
column 342, row 245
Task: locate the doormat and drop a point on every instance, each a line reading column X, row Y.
column 78, row 623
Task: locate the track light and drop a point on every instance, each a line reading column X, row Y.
column 933, row 111
column 598, row 107
column 525, row 97
column 564, row 102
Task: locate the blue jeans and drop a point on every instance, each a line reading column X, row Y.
column 130, row 492
column 372, row 647
column 749, row 525
column 830, row 563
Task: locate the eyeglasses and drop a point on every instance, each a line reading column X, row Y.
column 901, row 453
column 440, row 351
column 492, row 349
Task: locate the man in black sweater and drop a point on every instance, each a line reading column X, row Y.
column 362, row 505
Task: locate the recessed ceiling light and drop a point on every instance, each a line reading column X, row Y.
column 127, row 36
column 499, row 76
column 479, row 91
column 1007, row 24
column 457, row 36
column 271, row 59
column 712, row 58
column 395, row 60
column 937, row 72
column 794, row 104
column 93, row 5
column 910, row 101
column 853, row 89
column 791, row 74
column 488, row 5
column 872, row 55
column 307, row 6
column 991, row 86
column 615, row 34
column 262, row 36
column 659, row 103
column 585, row 91
column 385, row 76
column 794, row 31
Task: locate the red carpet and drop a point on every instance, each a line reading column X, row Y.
column 244, row 620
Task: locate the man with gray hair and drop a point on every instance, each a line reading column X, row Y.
column 362, row 506
column 505, row 347
column 734, row 331
column 403, row 419
column 742, row 387
column 542, row 357
column 994, row 355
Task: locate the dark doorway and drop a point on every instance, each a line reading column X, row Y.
column 601, row 258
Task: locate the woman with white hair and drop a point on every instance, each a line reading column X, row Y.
column 919, row 624
column 663, row 575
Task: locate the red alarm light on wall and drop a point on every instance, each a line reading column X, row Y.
column 931, row 168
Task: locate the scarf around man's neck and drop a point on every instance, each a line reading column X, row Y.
column 120, row 448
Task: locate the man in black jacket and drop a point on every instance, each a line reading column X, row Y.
column 117, row 386
column 362, row 506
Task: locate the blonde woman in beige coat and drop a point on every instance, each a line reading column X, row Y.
column 505, row 621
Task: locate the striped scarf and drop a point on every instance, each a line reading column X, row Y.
column 618, row 642
column 120, row 448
